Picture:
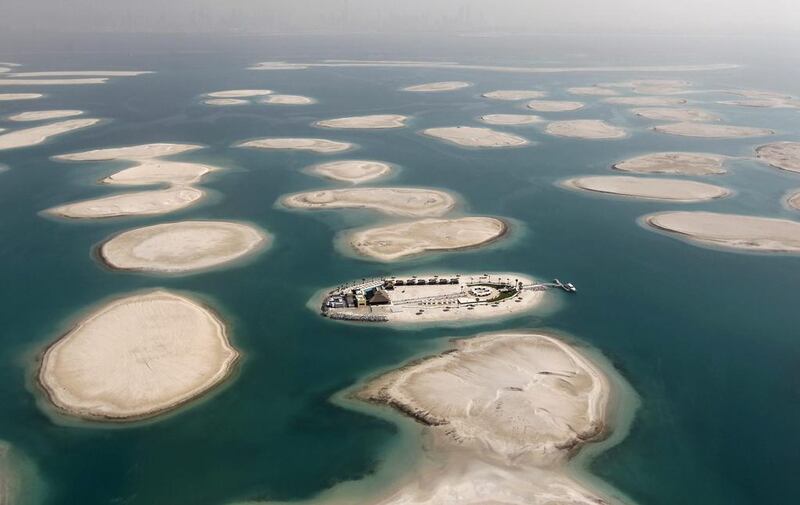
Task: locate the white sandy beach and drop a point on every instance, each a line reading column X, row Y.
column 468, row 136
column 554, row 105
column 648, row 188
column 184, row 246
column 41, row 115
column 137, row 357
column 783, row 155
column 8, row 97
column 142, row 203
column 321, row 146
column 374, row 121
column 677, row 115
column 408, row 202
column 511, row 119
column 716, row 131
column 513, row 95
column 646, row 101
column 434, row 87
column 288, row 100
column 592, row 129
column 676, row 163
column 39, row 134
column 352, row 171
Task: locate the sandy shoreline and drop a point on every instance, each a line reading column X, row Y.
column 783, row 155
column 590, row 129
column 142, row 203
column 39, row 134
column 647, row 188
column 511, row 119
column 677, row 163
column 352, row 171
column 716, row 131
column 41, row 115
column 469, row 136
column 6, row 97
column 793, row 200
column 375, row 121
column 288, row 100
column 554, row 105
column 322, row 146
column 221, row 102
column 404, row 201
column 435, row 87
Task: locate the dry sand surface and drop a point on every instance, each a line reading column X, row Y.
column 511, row 119
column 84, row 73
column 353, row 171
column 438, row 86
column 554, row 105
column 135, row 152
column 239, row 93
column 649, row 188
column 225, row 101
column 468, row 136
column 137, row 357
column 39, row 134
column 514, row 95
column 793, row 200
column 585, row 129
column 376, row 121
column 409, row 202
column 676, row 163
column 731, row 231
column 679, row 115
column 142, row 203
column 717, row 131
column 7, row 97
column 184, row 246
column 653, row 86
column 764, row 99
column 52, row 82
column 288, row 100
column 402, row 240
column 646, row 101
column 159, row 172
column 41, row 115
column 322, row 146
column 783, row 155
column 591, row 91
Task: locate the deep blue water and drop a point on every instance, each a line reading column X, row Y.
column 708, row 339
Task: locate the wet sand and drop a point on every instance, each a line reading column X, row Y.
column 677, row 115
column 648, row 188
column 468, row 136
column 39, row 134
column 716, row 131
column 352, row 171
column 375, row 121
column 514, row 95
column 511, row 119
column 554, row 105
column 783, row 155
column 408, row 202
column 321, row 146
column 434, row 87
column 676, row 163
column 143, row 203
column 591, row 129
column 41, row 115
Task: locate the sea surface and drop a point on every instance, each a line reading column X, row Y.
column 709, row 340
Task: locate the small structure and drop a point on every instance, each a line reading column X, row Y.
column 379, row 298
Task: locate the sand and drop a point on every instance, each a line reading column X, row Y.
column 793, row 200
column 554, row 105
column 84, row 73
column 716, row 131
column 181, row 247
column 239, row 93
column 39, row 134
column 142, row 203
column 653, row 86
column 514, row 95
column 375, row 121
column 764, row 99
column 730, row 231
column 52, row 82
column 137, row 357
column 676, row 163
column 646, row 101
column 468, row 136
column 438, row 86
column 678, row 115
column 41, row 115
column 322, row 146
column 511, row 119
column 353, row 171
column 7, row 97
column 288, row 100
column 225, row 101
column 585, row 129
column 160, row 172
column 404, row 240
column 408, row 202
column 135, row 152
column 783, row 155
column 591, row 91
column 675, row 190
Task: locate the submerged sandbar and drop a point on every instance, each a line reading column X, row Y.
column 353, row 171
column 676, row 190
column 783, row 155
column 592, row 129
column 716, row 131
column 677, row 163
column 468, row 136
column 413, row 202
column 322, row 146
column 142, row 203
column 39, row 134
column 374, row 121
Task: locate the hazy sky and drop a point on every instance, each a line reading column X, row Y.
column 285, row 16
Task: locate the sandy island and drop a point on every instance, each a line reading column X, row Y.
column 716, row 131
column 676, row 190
column 322, row 146
column 39, row 134
column 511, row 119
column 52, row 82
column 513, row 95
column 353, row 171
column 730, row 231
column 433, row 87
column 137, row 357
column 181, row 247
column 6, row 97
column 375, row 121
column 652, row 86
column 763, row 99
column 403, row 240
column 239, row 93
column 679, row 115
column 674, row 163
column 646, row 101
column 591, row 91
column 225, row 101
column 142, row 203
column 41, row 115
column 84, row 73
column 793, row 200
column 592, row 129
column 135, row 152
column 288, row 100
column 410, row 202
column 783, row 155
column 554, row 105
column 468, row 136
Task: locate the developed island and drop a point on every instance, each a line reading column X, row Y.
column 468, row 136
column 730, row 231
column 408, row 202
column 676, row 163
column 181, row 247
column 716, row 131
column 322, row 146
column 142, row 203
column 513, row 95
column 39, row 134
column 676, row 190
column 511, row 119
column 678, row 115
column 352, row 171
column 137, row 357
column 554, row 105
column 434, row 87
column 375, row 121
column 592, row 129
column 399, row 241
column 783, row 155
column 288, row 100
column 42, row 115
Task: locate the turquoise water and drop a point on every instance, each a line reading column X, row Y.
column 708, row 339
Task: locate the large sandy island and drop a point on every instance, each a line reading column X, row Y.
column 375, row 121
column 649, row 188
column 468, row 136
column 402, row 240
column 513, row 95
column 680, row 115
column 160, row 171
column 353, row 171
column 184, row 246
column 84, row 73
column 764, row 99
column 676, row 163
column 137, row 357
column 136, row 152
column 511, row 119
column 41, row 115
column 302, row 144
column 288, row 100
column 593, row 129
column 142, row 203
column 554, row 105
column 225, row 101
column 653, row 86
column 239, row 93
column 410, row 202
column 646, row 101
column 783, row 155
column 39, row 134
column 591, row 91
column 433, row 87
column 7, row 97
column 731, row 231
column 717, row 131
column 52, row 82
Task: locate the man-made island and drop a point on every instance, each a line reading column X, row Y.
column 42, row 115
column 675, row 190
column 511, row 119
column 590, row 129
column 679, row 115
column 513, row 95
column 646, row 101
column 783, row 155
column 409, row 202
column 554, row 105
column 322, row 146
column 677, row 163
column 434, row 87
column 39, row 134
column 716, row 131
column 375, row 121
column 470, row 136
column 141, row 203
column 288, row 100
column 353, row 171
